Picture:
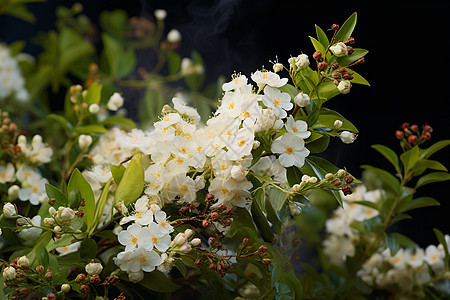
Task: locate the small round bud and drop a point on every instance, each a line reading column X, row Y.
column 244, row 241
column 23, row 262
column 347, row 76
column 334, row 27
column 9, row 273
column 335, row 65
column 305, row 178
column 160, row 14
column 84, row 141
column 57, row 229
column 84, row 288
column 49, row 275
column 337, row 124
column 312, row 179
column 9, row 210
column 40, row 269
column 206, row 223
column 341, row 173
column 399, row 134
column 322, row 65
column 51, row 296
column 52, row 211
column 227, row 222
column 174, row 36
column 414, row 128
column 350, row 50
column 211, row 240
column 349, row 179
column 198, row 263
column 347, row 190
column 262, row 249
column 212, row 266
column 296, row 188
column 80, row 277
column 95, row 279
column 302, row 99
column 256, row 145
column 412, row 139
column 196, row 242
column 344, row 86
column 351, row 40
column 188, row 233
column 317, row 55
column 93, row 268
column 329, row 176
column 94, row 108
column 347, row 137
column 336, row 75
column 65, row 288
column 278, row 67
column 215, row 216
column 266, row 261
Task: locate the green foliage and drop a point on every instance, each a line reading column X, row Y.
column 132, row 183
column 77, row 183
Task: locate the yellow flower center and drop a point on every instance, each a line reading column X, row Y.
column 276, row 101
column 289, row 150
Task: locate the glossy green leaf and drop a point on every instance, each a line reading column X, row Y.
column 53, row 192
column 425, row 153
column 432, row 177
column 322, row 37
column 88, row 249
column 78, row 183
column 89, row 129
column 293, row 175
column 320, row 167
column 392, row 183
column 273, row 217
column 313, row 113
column 357, row 78
column 290, row 89
column 418, row 203
column 319, row 145
column 93, row 94
column 158, row 282
column 132, row 182
column 423, row 164
column 391, row 243
column 117, row 172
column 389, row 154
column 345, row 61
column 346, row 30
column 277, row 198
column 326, row 90
column 328, row 117
column 400, row 217
column 43, row 240
column 118, row 120
column 100, row 206
column 317, row 45
column 409, row 159
column 261, row 222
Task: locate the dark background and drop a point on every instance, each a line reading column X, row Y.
column 407, row 65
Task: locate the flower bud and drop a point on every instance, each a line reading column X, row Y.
column 347, row 137
column 302, row 99
column 399, row 134
column 278, row 67
column 317, row 55
column 49, row 275
column 9, row 273
column 305, row 178
column 13, row 192
column 336, row 75
column 329, row 176
column 189, row 232
column 52, row 211
column 335, row 65
column 84, row 288
column 296, row 188
column 115, row 102
column 65, row 288
column 24, row 262
column 9, row 210
column 80, row 277
column 198, row 263
column 339, row 49
column 412, row 139
column 337, row 124
column 179, row 240
column 174, row 36
column 238, row 173
column 312, row 179
column 40, row 269
column 341, row 173
column 211, row 240
column 93, row 268
column 215, row 216
column 186, row 248
column 51, row 296
column 57, row 229
column 344, row 86
column 67, row 214
column 206, row 223
column 347, row 76
column 196, row 242
column 160, row 14
column 266, row 261
column 256, row 145
column 84, row 141
column 302, row 61
column 94, row 279
column 322, row 65
column 94, row 108
column 347, row 190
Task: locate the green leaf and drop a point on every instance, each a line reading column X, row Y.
column 261, row 222
column 400, row 217
column 346, row 30
column 195, row 81
column 432, row 177
column 158, row 282
column 318, row 45
column 88, row 249
column 290, row 89
column 357, row 79
column 53, row 192
column 319, row 145
column 322, row 37
column 100, row 206
column 120, row 61
column 16, row 47
column 320, row 167
column 89, row 129
column 78, row 183
column 388, row 154
column 132, row 182
column 293, row 175
column 368, row 204
column 418, row 203
column 425, row 153
column 313, row 113
column 174, row 62
column 441, row 238
column 345, row 61
column 118, row 120
column 423, row 164
column 392, row 183
column 93, row 94
column 43, row 240
column 277, row 198
column 117, row 172
column 409, row 159
column 273, row 217
column 391, row 243
column 326, row 90
column 328, row 117
column 63, row 121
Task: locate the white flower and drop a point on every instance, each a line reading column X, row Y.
column 238, row 173
column 138, row 260
column 279, row 102
column 93, row 268
column 9, row 210
column 344, row 86
column 298, row 128
column 164, row 224
column 68, row 249
column 30, row 234
column 84, row 141
column 266, row 77
column 415, row 258
column 435, row 258
column 33, row 189
column 7, row 173
column 115, row 102
column 135, row 237
column 302, row 61
column 236, row 83
column 160, row 14
column 347, row 137
column 291, row 149
column 190, row 112
column 174, row 36
column 9, row 273
column 157, row 239
column 339, row 49
column 302, row 99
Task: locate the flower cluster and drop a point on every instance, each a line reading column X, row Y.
column 12, row 84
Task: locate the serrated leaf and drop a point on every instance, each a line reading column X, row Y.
column 418, row 203
column 432, row 177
